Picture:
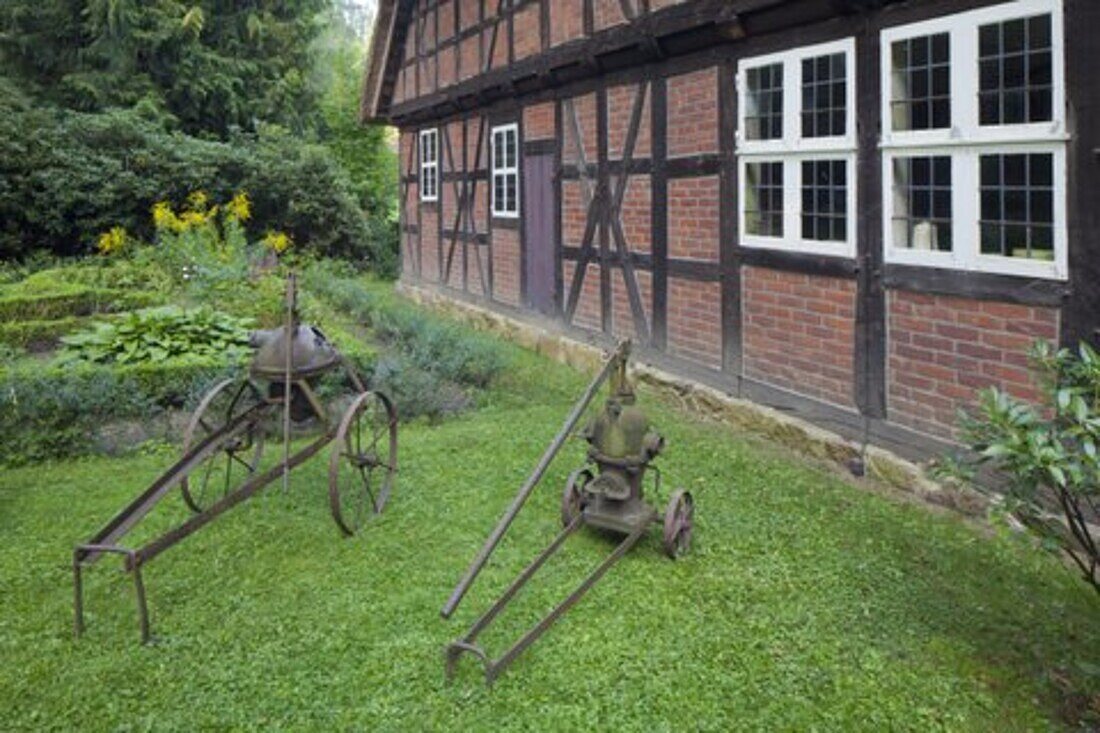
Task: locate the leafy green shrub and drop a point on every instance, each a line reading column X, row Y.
column 158, row 335
column 53, row 412
column 24, row 304
column 66, row 177
column 431, row 344
column 1049, row 453
column 38, row 336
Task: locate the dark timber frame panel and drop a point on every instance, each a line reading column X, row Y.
column 577, row 68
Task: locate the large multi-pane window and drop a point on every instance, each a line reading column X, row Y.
column 974, row 141
column 429, row 165
column 505, row 170
column 796, row 143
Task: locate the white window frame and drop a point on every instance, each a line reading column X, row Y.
column 792, row 149
column 512, row 128
column 429, row 169
column 966, row 140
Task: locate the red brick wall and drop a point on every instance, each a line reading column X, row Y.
column 588, row 305
column 799, row 332
column 693, row 218
column 506, row 264
column 606, row 13
column 585, row 108
column 622, row 317
column 429, row 239
column 693, row 113
column 526, row 28
column 695, row 321
column 620, row 106
column 942, row 350
column 469, row 58
column 538, row 122
column 636, row 213
column 573, row 213
column 468, row 10
column 566, row 21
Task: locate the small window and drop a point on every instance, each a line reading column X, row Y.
column 429, row 165
column 920, row 69
column 764, row 97
column 505, row 174
column 824, row 95
column 764, row 199
column 922, row 203
column 796, row 146
column 1017, row 218
column 825, row 200
column 1016, row 71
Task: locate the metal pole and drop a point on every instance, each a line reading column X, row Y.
column 463, row 586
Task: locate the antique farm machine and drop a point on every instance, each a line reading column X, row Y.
column 606, row 494
column 224, row 440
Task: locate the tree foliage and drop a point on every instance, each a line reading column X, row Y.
column 213, row 66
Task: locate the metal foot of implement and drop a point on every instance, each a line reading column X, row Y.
column 622, row 446
column 224, row 441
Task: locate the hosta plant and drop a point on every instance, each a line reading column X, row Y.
column 159, row 334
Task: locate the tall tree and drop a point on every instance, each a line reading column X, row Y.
column 212, row 65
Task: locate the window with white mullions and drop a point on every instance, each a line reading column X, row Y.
column 796, row 148
column 920, row 72
column 1016, row 71
column 764, row 199
column 1017, row 201
column 824, row 95
column 764, row 100
column 505, row 170
column 976, row 179
column 429, row 165
column 825, row 200
column 922, row 203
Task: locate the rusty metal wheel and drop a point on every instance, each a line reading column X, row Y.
column 363, row 461
column 239, row 453
column 573, row 498
column 679, row 519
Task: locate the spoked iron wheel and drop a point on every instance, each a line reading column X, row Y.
column 363, row 461
column 679, row 518
column 239, row 453
column 572, row 499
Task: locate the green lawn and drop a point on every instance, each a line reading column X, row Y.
column 806, row 603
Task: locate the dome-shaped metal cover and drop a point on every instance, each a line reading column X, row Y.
column 311, row 353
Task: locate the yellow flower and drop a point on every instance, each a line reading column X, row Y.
column 163, row 216
column 197, row 200
column 239, row 207
column 277, row 242
column 112, row 241
column 191, row 220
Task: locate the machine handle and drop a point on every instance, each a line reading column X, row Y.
column 614, row 362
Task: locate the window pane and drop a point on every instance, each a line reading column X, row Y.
column 824, row 200
column 920, row 97
column 922, row 203
column 764, row 103
column 1017, row 195
column 764, row 199
column 824, row 95
column 1016, row 71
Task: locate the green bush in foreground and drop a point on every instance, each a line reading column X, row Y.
column 1050, row 454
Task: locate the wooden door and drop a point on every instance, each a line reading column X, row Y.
column 538, row 232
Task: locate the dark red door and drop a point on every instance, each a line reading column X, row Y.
column 538, row 232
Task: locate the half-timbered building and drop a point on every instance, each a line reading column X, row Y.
column 856, row 211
